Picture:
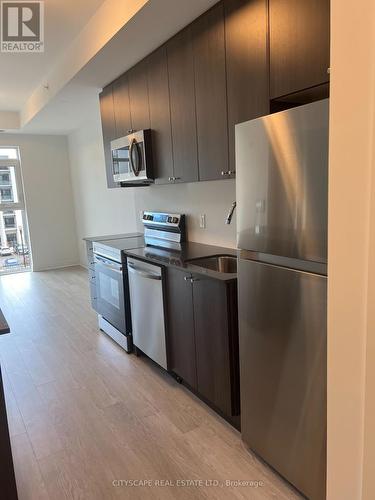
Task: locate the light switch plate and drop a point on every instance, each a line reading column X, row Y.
column 202, row 221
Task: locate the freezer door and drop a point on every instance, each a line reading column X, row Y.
column 282, row 320
column 282, row 183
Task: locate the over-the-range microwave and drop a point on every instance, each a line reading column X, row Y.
column 132, row 159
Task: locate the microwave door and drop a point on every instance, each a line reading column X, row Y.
column 137, row 160
column 132, row 158
column 120, row 163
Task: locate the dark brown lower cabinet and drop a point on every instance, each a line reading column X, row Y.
column 214, row 343
column 181, row 342
column 203, row 337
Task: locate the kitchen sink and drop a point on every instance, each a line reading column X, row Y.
column 219, row 263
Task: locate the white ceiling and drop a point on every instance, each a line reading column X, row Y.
column 21, row 73
column 75, row 83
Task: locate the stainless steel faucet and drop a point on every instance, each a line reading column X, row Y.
column 230, row 213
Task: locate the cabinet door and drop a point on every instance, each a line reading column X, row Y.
column 160, row 116
column 138, row 94
column 212, row 342
column 247, row 64
column 181, row 342
column 109, row 130
column 121, row 106
column 210, row 93
column 299, row 45
column 182, row 99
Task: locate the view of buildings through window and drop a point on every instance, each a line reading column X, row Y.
column 14, row 247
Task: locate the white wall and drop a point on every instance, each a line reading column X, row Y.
column 99, row 210
column 351, row 256
column 48, row 198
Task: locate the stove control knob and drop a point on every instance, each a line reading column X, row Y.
column 175, row 220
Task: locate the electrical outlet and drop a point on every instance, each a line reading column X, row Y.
column 202, row 221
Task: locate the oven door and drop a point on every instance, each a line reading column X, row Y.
column 110, row 292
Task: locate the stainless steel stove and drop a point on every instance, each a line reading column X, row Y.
column 164, row 230
column 123, row 286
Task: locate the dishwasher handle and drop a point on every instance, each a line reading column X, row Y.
column 136, row 270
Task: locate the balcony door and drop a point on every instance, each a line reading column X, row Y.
column 15, row 255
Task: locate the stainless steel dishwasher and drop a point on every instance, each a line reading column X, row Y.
column 147, row 308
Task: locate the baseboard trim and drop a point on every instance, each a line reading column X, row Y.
column 56, row 267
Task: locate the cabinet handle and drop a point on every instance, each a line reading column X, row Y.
column 194, row 279
column 187, row 278
column 231, row 172
column 224, row 173
column 172, row 179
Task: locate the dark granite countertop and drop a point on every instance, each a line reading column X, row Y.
column 181, row 259
column 168, row 257
column 4, row 327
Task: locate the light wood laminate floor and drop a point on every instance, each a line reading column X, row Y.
column 83, row 413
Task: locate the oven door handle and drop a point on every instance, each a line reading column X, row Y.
column 105, row 263
column 118, row 271
column 136, row 270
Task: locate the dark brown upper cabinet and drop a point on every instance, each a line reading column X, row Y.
column 138, row 96
column 210, row 93
column 122, row 106
column 247, row 64
column 238, row 61
column 108, row 129
column 299, row 45
column 160, row 116
column 182, row 102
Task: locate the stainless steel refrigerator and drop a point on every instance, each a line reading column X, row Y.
column 282, row 198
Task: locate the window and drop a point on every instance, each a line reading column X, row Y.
column 9, row 220
column 6, row 194
column 4, row 178
column 14, row 242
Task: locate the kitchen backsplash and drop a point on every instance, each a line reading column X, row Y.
column 212, row 199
